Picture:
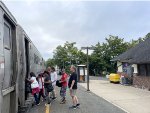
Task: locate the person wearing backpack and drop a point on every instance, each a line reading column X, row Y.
column 48, row 85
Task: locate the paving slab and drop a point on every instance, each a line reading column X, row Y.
column 90, row 103
column 128, row 98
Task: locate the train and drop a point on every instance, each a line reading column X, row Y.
column 18, row 57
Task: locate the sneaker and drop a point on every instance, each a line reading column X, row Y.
column 73, row 107
column 38, row 104
column 62, row 99
column 78, row 105
column 54, row 98
column 63, row 102
column 48, row 103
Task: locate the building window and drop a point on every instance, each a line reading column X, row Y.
column 148, row 70
column 34, row 58
column 142, row 69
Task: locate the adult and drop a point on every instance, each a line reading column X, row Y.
column 63, row 81
column 48, row 85
column 49, row 70
column 72, row 84
column 53, row 79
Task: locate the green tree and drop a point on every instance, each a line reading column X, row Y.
column 103, row 53
column 50, row 62
column 68, row 54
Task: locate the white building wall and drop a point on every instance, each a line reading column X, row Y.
column 135, row 68
column 119, row 65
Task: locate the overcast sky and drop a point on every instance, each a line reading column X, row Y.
column 51, row 23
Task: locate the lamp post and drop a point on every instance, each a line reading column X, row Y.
column 63, row 64
column 87, row 48
column 70, row 57
column 62, row 60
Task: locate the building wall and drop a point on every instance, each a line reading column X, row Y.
column 141, row 81
column 119, row 65
column 135, row 68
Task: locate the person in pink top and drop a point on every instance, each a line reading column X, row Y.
column 64, row 83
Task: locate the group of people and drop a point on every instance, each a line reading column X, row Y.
column 45, row 85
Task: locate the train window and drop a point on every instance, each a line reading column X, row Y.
column 7, row 33
column 8, row 70
column 36, row 59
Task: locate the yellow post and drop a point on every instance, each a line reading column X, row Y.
column 47, row 108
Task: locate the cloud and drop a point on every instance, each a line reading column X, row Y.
column 51, row 23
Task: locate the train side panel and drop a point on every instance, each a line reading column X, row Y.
column 21, row 66
column 18, row 57
column 1, row 59
column 8, row 61
column 36, row 60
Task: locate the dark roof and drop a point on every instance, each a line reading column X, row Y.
column 138, row 54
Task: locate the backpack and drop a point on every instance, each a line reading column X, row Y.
column 49, row 88
column 58, row 83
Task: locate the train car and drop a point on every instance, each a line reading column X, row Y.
column 29, row 60
column 18, row 57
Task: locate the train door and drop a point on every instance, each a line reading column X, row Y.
column 8, row 66
column 27, row 85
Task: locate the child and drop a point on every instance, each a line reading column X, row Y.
column 34, row 87
column 41, row 86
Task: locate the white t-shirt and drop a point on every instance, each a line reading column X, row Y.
column 41, row 82
column 34, row 84
column 53, row 78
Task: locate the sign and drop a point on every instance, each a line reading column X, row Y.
column 91, row 48
column 81, row 71
column 85, row 71
column 2, row 65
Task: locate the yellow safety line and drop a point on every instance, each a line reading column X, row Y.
column 47, row 108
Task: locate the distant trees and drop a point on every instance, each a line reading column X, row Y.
column 100, row 58
column 103, row 53
column 66, row 55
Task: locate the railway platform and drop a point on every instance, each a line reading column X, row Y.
column 90, row 103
